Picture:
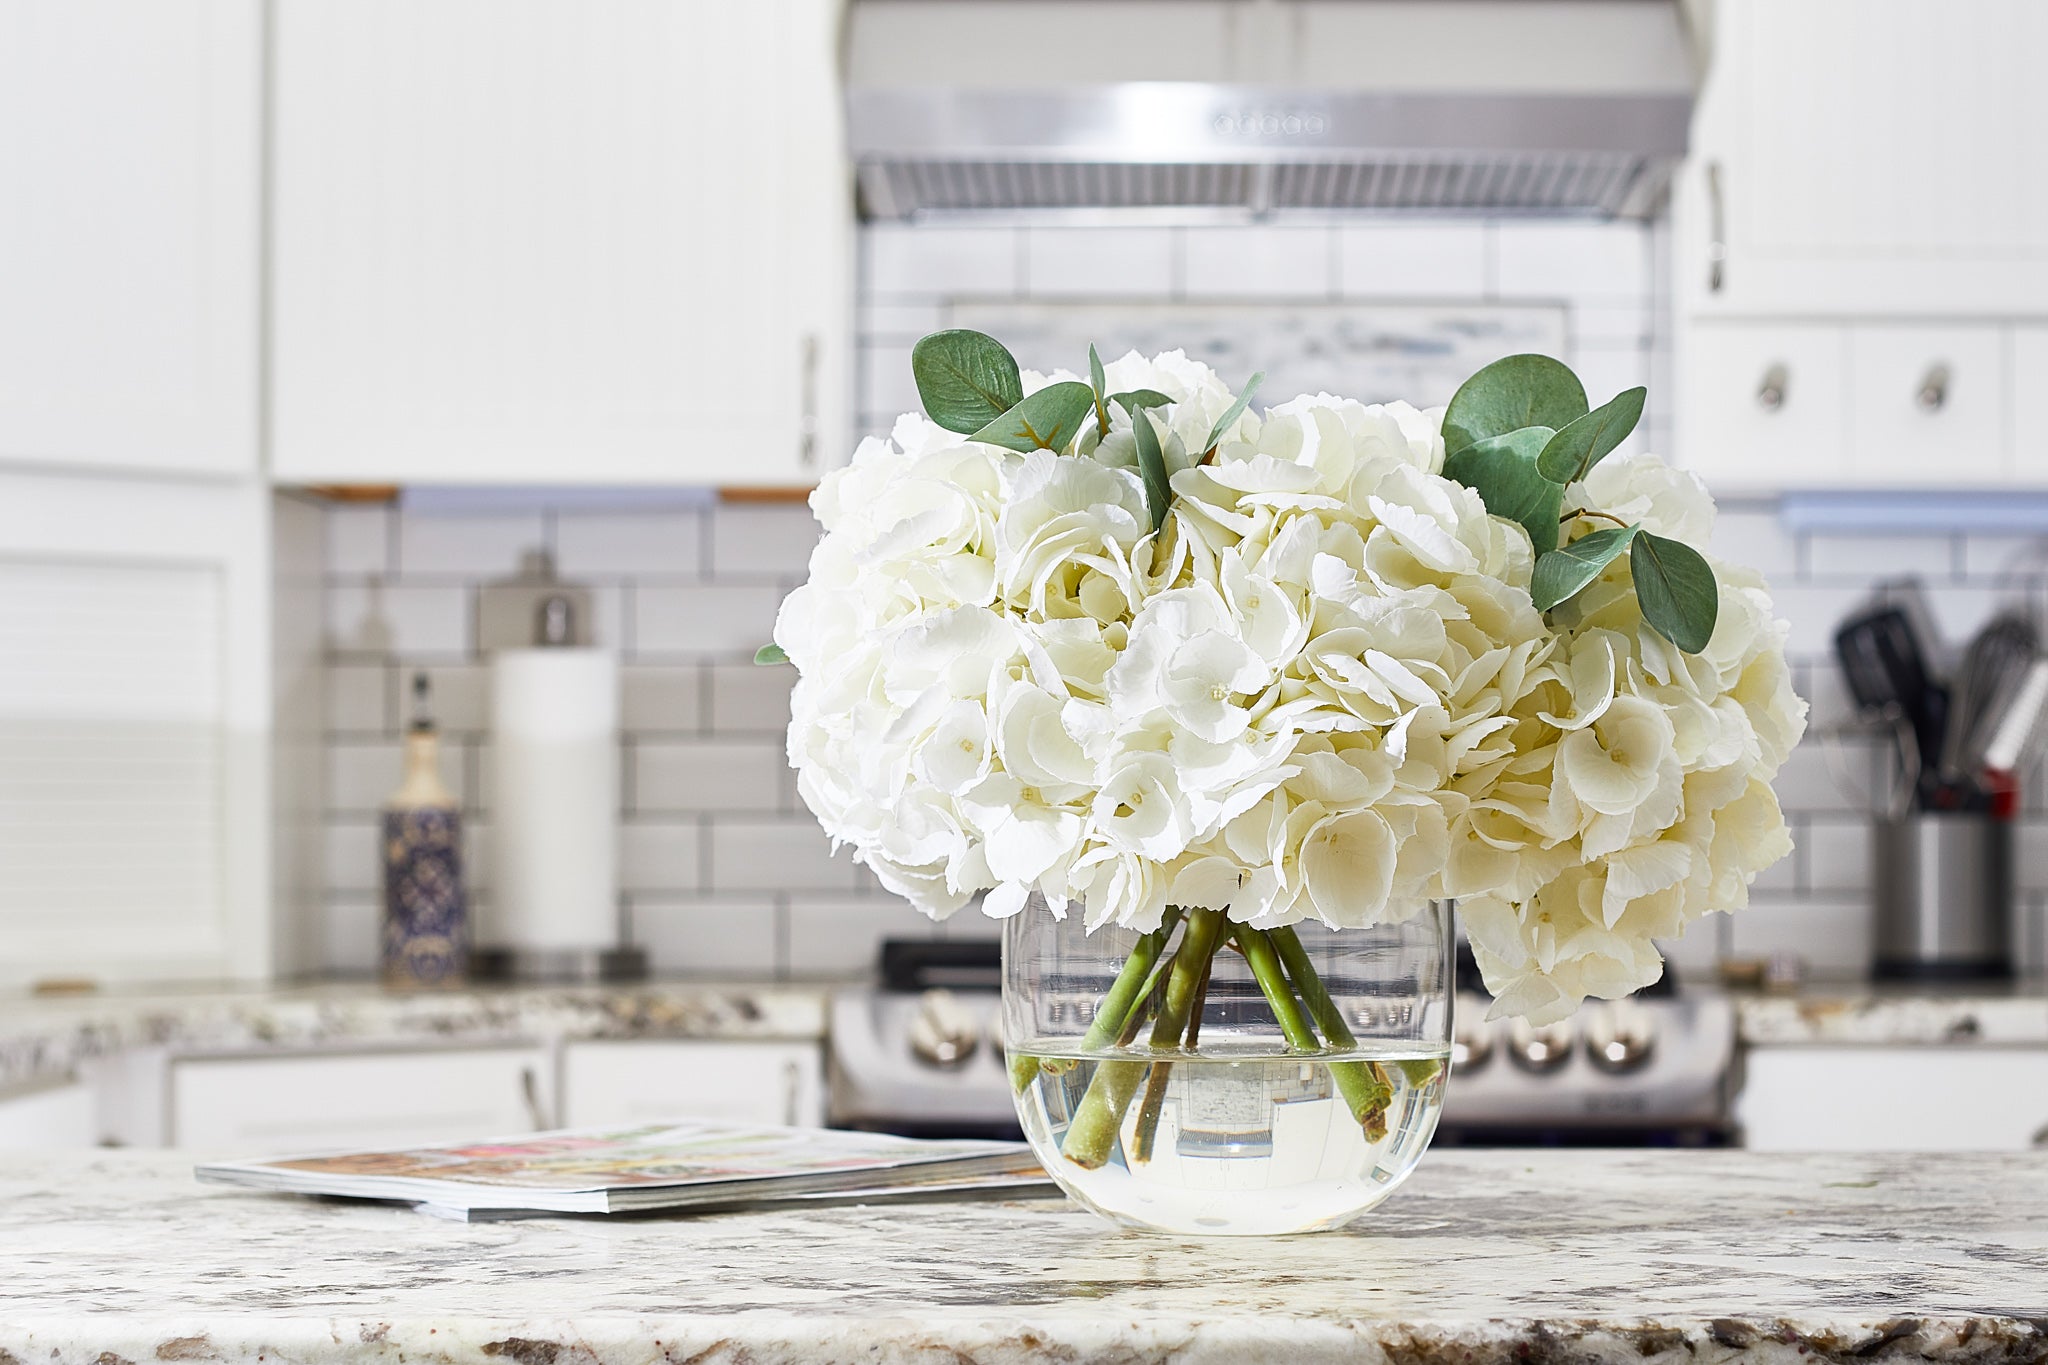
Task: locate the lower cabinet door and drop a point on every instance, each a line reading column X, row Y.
column 1894, row 1099
column 742, row 1082
column 60, row 1115
column 255, row 1106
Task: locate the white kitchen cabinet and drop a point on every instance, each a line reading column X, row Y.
column 60, row 1115
column 1764, row 403
column 643, row 1081
column 1868, row 158
column 134, row 723
column 535, row 241
column 2027, row 380
column 1931, row 404
column 260, row 1105
column 1904, row 1099
column 130, row 141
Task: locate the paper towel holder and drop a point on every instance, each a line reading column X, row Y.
column 535, row 609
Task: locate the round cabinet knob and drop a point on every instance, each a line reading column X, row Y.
column 943, row 1034
column 1620, row 1036
column 1540, row 1049
column 1770, row 395
column 1471, row 1043
column 1932, row 395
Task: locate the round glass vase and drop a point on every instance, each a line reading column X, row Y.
column 1214, row 1079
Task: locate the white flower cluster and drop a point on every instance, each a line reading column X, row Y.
column 1320, row 691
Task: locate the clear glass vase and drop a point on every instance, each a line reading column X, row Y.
column 1211, row 1078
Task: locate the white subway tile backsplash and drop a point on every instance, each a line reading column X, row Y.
column 722, row 937
column 941, row 261
column 788, row 853
column 1832, row 933
column 1607, row 324
column 1260, row 262
column 358, row 699
column 358, row 540
column 1813, row 611
column 1607, row 370
column 1849, row 781
column 706, row 619
column 774, row 539
column 380, row 618
column 841, row 936
column 1756, row 539
column 654, row 544
column 661, row 698
column 707, row 775
column 660, row 856
column 470, row 545
column 2005, row 557
column 354, row 862
column 349, row 933
column 1693, row 957
column 887, row 385
column 361, row 776
column 746, row 698
column 1885, row 555
column 1100, row 263
column 1412, row 261
column 1573, row 260
column 1838, row 855
column 900, row 322
column 458, row 695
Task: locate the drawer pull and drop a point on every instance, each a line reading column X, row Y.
column 1717, row 232
column 529, row 1091
column 1770, row 395
column 2040, row 1138
column 1933, row 393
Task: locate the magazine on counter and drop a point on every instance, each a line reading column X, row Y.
column 683, row 1165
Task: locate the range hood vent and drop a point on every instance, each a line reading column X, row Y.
column 1568, row 107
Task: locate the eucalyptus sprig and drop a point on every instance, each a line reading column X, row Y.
column 1521, row 435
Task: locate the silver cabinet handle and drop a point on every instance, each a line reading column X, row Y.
column 529, row 1090
column 807, row 429
column 1717, row 231
column 2040, row 1138
column 1933, row 392
column 1770, row 395
column 792, row 1082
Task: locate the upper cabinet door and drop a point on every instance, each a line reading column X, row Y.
column 130, row 214
column 1865, row 157
column 540, row 241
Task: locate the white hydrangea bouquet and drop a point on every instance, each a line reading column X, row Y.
column 1126, row 648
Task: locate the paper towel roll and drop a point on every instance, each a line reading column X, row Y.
column 554, row 799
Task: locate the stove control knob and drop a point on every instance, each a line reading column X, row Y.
column 1540, row 1049
column 1620, row 1036
column 1471, row 1043
column 944, row 1034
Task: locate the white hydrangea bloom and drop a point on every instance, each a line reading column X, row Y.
column 1320, row 691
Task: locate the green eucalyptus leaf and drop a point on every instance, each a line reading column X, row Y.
column 1151, row 467
column 1047, row 420
column 964, row 379
column 1513, row 394
column 1140, row 398
column 1676, row 589
column 1576, row 448
column 1502, row 471
column 1232, row 413
column 1098, row 381
column 770, row 654
column 1563, row 572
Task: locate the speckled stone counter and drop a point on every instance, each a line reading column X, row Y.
column 1644, row 1257
column 1887, row 1015
column 42, row 1038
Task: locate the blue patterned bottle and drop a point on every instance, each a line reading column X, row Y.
column 426, row 908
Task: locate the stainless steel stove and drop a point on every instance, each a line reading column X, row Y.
column 922, row 1054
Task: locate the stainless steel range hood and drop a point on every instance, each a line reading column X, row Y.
column 1260, row 106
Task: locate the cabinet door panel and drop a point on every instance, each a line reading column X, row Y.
column 1904, row 1099
column 744, row 1082
column 258, row 1105
column 537, row 241
column 1764, row 404
column 129, row 214
column 1928, row 405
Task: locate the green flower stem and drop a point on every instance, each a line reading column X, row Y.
column 1362, row 1085
column 1149, row 1109
column 1419, row 1070
column 1133, row 983
column 1092, row 1134
column 1259, row 952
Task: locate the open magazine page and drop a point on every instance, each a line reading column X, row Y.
column 644, row 1166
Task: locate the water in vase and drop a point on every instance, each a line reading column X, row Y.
column 1249, row 1143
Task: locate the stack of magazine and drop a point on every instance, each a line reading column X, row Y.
column 698, row 1167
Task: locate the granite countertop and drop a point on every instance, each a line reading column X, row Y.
column 44, row 1038
column 1890, row 1014
column 1647, row 1257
